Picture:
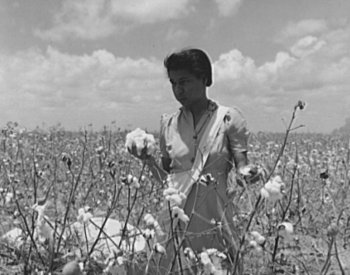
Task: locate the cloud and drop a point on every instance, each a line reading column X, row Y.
column 234, row 66
column 149, row 11
column 176, row 34
column 228, row 7
column 90, row 19
column 313, row 68
column 323, row 59
column 87, row 87
column 307, row 46
column 303, row 28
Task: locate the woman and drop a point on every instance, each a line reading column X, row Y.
column 182, row 137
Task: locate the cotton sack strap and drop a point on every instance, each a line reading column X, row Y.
column 183, row 181
column 207, row 142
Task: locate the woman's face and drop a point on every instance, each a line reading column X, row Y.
column 188, row 89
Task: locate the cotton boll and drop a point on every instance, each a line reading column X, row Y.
column 285, row 230
column 148, row 233
column 273, row 190
column 9, row 197
column 149, row 219
column 179, row 213
column 188, row 252
column 169, row 191
column 143, row 142
column 256, row 236
column 158, row 248
column 209, row 267
column 71, row 268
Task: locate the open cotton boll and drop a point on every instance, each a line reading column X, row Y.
column 72, row 268
column 149, row 219
column 150, row 143
column 174, row 196
column 189, row 254
column 153, row 223
column 209, row 267
column 285, row 230
column 179, row 213
column 273, row 190
column 256, row 236
column 158, row 248
column 142, row 141
column 14, row 236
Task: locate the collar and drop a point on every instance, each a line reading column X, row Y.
column 212, row 106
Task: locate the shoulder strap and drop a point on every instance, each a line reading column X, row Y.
column 207, row 141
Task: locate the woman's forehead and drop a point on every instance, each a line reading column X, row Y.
column 177, row 74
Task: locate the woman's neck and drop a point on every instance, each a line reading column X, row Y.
column 199, row 109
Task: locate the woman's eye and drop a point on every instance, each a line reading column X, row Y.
column 181, row 82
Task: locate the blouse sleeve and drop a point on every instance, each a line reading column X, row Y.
column 236, row 129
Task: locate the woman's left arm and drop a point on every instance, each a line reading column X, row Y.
column 238, row 134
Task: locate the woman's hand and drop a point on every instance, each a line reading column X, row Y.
column 252, row 173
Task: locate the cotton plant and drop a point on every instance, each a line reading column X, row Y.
column 139, row 140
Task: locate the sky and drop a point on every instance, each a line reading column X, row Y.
column 95, row 63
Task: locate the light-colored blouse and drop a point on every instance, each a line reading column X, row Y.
column 207, row 206
column 179, row 139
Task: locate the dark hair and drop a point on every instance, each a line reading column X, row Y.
column 194, row 61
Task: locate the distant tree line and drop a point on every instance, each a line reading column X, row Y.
column 345, row 129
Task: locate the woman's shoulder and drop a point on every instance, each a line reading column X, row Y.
column 166, row 118
column 235, row 126
column 233, row 114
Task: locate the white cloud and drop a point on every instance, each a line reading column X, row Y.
column 176, row 34
column 303, row 28
column 85, row 87
column 323, row 60
column 91, row 19
column 234, row 66
column 228, row 7
column 150, row 11
column 306, row 46
column 316, row 69
column 82, row 19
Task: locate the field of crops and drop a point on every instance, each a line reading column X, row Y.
column 56, row 186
